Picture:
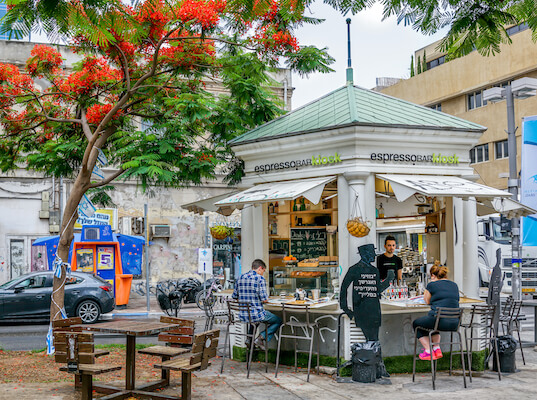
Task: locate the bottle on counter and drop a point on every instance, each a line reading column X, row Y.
column 381, row 211
column 276, row 207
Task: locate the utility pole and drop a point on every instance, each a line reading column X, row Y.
column 512, row 185
column 147, row 272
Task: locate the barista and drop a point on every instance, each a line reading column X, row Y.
column 389, row 261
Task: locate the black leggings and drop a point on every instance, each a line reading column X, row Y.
column 428, row 321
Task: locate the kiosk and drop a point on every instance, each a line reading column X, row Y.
column 337, row 158
column 97, row 250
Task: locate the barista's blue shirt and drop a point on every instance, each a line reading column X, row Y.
column 444, row 293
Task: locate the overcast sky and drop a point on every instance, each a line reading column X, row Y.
column 379, row 49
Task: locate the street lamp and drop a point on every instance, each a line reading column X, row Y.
column 521, row 89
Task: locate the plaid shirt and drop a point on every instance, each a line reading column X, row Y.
column 251, row 288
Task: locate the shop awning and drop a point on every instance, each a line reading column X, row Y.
column 405, row 186
column 311, row 189
column 508, row 207
column 207, row 204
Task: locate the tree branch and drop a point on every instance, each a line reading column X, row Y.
column 107, row 180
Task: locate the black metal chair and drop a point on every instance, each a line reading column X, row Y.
column 481, row 328
column 234, row 308
column 212, row 314
column 442, row 313
column 510, row 318
column 309, row 329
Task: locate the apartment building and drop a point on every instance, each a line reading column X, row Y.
column 456, row 87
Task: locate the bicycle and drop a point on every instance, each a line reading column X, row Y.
column 140, row 288
column 206, row 298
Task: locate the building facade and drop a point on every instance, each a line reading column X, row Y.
column 456, row 87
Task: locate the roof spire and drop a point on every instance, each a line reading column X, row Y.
column 349, row 63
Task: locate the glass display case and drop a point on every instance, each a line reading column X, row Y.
column 286, row 279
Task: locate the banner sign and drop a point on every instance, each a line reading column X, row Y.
column 205, row 261
column 528, row 179
column 102, row 216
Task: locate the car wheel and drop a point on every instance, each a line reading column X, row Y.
column 89, row 311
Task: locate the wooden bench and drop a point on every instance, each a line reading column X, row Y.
column 178, row 341
column 76, row 349
column 203, row 349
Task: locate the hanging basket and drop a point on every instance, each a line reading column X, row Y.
column 356, row 225
column 221, row 232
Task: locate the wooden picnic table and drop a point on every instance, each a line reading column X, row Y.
column 131, row 328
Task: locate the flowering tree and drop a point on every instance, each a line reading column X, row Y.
column 148, row 63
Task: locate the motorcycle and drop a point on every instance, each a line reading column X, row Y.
column 171, row 294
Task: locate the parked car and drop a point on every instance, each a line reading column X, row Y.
column 28, row 296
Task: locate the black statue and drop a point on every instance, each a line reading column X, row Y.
column 366, row 290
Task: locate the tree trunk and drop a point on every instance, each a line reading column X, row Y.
column 70, row 216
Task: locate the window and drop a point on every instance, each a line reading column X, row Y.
column 436, row 62
column 475, row 100
column 436, row 107
column 3, row 11
column 517, row 28
column 501, row 149
column 479, row 154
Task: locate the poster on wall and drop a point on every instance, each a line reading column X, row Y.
column 84, row 260
column 105, row 258
column 205, row 261
column 528, row 179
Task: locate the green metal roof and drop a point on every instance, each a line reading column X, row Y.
column 353, row 105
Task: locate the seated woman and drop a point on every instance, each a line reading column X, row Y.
column 440, row 292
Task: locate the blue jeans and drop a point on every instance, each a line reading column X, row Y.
column 273, row 324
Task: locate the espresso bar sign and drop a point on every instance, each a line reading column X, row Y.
column 435, row 158
column 296, row 164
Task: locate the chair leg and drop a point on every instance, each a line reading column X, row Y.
column 451, row 352
column 311, row 350
column 266, row 348
column 433, row 369
column 226, row 341
column 469, row 350
column 462, row 357
column 415, row 355
column 296, row 354
column 517, row 326
column 318, row 349
column 278, row 352
column 497, row 357
column 249, row 365
column 165, row 374
column 87, row 387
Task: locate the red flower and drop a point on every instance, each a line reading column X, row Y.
column 97, row 112
column 44, row 59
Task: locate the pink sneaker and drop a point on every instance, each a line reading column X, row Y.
column 425, row 355
column 437, row 353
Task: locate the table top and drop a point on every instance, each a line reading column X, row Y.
column 133, row 327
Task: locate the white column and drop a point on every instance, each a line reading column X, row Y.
column 350, row 184
column 247, row 238
column 454, row 231
column 470, row 271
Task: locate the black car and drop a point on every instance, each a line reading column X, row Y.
column 28, row 296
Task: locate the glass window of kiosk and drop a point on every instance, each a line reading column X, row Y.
column 226, row 258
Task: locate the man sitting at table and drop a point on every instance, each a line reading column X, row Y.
column 251, row 288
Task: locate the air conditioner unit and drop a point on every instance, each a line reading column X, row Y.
column 92, row 234
column 125, row 226
column 161, row 230
column 137, row 225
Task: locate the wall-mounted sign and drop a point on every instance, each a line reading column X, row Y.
column 435, row 158
column 296, row 164
column 205, row 261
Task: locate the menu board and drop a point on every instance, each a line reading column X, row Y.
column 308, row 242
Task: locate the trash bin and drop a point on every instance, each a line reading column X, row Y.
column 365, row 357
column 123, row 289
column 506, row 352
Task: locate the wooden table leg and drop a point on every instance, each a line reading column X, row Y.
column 87, row 389
column 186, row 385
column 130, row 362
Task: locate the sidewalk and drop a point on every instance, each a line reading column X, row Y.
column 233, row 385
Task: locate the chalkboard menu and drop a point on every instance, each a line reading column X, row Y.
column 308, row 242
column 280, row 244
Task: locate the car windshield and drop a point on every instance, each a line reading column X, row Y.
column 8, row 283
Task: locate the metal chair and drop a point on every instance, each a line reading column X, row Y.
column 510, row 319
column 482, row 323
column 211, row 314
column 234, row 308
column 442, row 313
column 308, row 328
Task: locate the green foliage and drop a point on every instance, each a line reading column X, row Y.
column 411, row 66
column 418, row 66
column 424, row 66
